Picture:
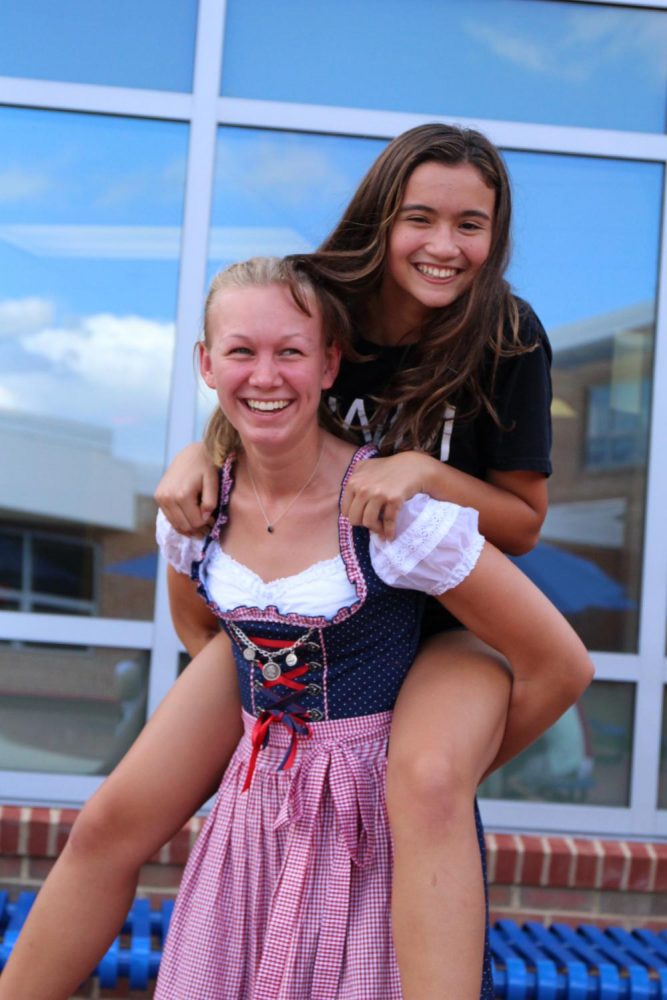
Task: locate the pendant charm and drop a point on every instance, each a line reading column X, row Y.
column 248, row 653
column 291, row 659
column 271, row 671
column 269, row 528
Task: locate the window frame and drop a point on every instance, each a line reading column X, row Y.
column 204, row 112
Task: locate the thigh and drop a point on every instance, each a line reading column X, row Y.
column 453, row 704
column 179, row 757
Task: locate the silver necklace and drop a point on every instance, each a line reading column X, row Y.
column 271, row 670
column 271, row 525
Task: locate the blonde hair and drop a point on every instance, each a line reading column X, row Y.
column 220, row 437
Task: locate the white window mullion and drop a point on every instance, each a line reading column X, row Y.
column 192, row 280
column 76, row 630
column 60, row 96
column 530, row 136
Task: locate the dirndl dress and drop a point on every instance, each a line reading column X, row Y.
column 286, row 895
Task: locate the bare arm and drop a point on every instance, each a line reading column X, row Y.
column 550, row 664
column 511, row 505
column 195, row 624
column 188, row 491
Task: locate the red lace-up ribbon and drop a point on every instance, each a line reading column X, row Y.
column 293, row 717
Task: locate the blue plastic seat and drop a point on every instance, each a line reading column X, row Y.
column 530, row 962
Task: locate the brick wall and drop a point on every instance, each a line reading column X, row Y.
column 545, row 878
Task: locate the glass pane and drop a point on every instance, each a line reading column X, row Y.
column 584, row 757
column 11, row 559
column 517, row 60
column 92, row 41
column 596, row 296
column 90, row 217
column 69, row 709
column 278, row 193
column 662, row 785
column 63, row 567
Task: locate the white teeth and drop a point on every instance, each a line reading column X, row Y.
column 436, row 272
column 267, row 405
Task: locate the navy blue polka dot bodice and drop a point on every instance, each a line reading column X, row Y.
column 355, row 663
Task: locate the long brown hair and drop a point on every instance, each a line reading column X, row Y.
column 459, row 346
column 220, row 437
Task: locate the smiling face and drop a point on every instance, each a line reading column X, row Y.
column 268, row 363
column 438, row 242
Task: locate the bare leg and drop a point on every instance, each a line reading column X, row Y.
column 167, row 774
column 448, row 725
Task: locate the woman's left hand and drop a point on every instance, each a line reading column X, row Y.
column 378, row 488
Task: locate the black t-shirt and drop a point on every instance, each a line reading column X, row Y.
column 476, row 445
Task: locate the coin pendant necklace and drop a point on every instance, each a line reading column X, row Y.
column 271, row 525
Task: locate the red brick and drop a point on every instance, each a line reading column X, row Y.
column 508, row 914
column 560, row 865
column 65, row 824
column 10, row 825
column 39, row 868
column 38, row 831
column 505, row 858
column 661, row 867
column 613, row 865
column 533, row 859
column 658, row 903
column 573, row 920
column 641, row 866
column 159, row 876
column 500, row 895
column 565, row 900
column 622, row 902
column 179, row 846
column 586, row 865
column 523, row 916
column 653, row 924
column 10, row 867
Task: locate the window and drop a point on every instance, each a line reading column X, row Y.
column 138, row 155
column 45, row 572
column 617, row 425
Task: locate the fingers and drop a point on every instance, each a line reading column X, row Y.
column 183, row 512
column 372, row 504
column 209, row 493
column 389, row 520
column 188, row 491
column 367, row 514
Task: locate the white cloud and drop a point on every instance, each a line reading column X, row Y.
column 8, row 400
column 148, row 242
column 271, row 167
column 21, row 316
column 586, row 44
column 165, row 185
column 112, row 354
column 21, row 185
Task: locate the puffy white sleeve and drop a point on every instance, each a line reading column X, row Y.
column 437, row 545
column 179, row 550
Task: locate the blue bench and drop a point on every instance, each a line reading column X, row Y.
column 530, row 962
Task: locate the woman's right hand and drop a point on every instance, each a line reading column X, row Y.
column 188, row 491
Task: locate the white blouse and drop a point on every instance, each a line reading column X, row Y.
column 437, row 545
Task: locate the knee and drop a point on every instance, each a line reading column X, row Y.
column 428, row 791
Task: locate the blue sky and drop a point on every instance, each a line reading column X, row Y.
column 91, row 206
column 560, row 63
column 90, row 216
column 122, row 43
